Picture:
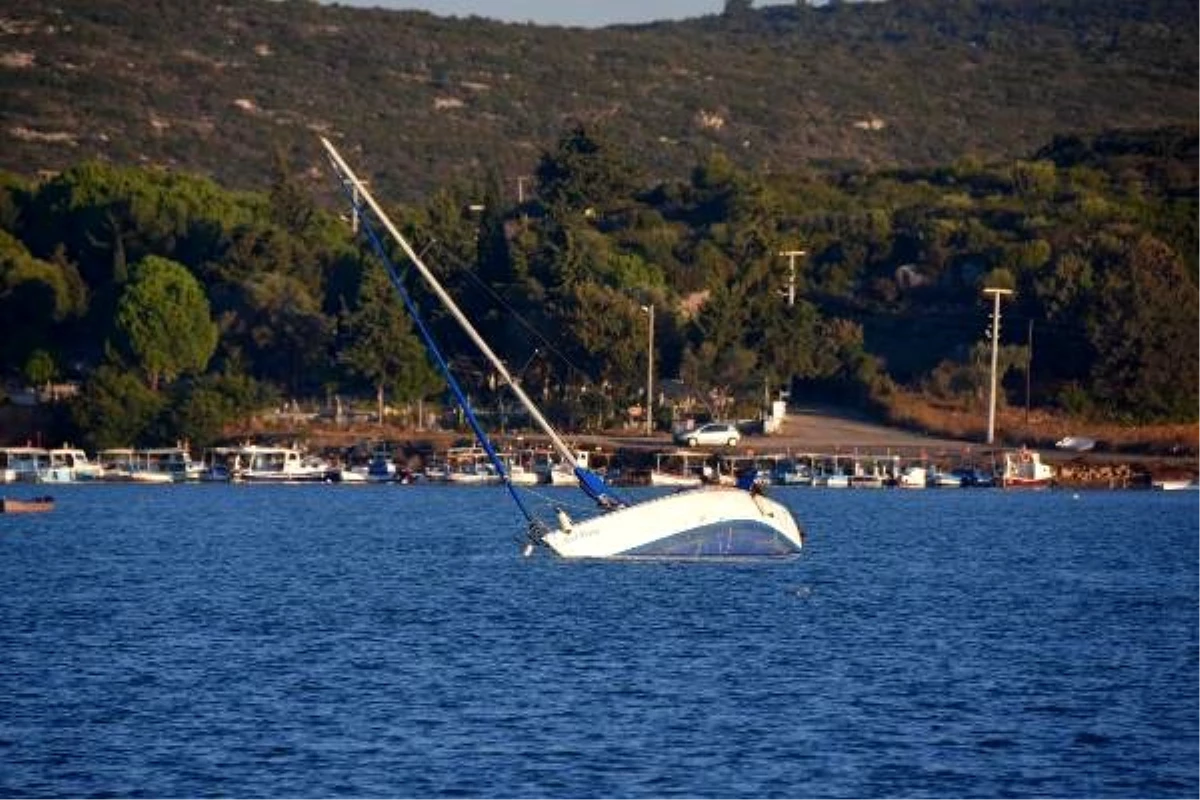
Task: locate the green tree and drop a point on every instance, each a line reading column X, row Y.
column 115, row 409
column 718, row 357
column 585, row 172
column 163, row 322
column 291, row 206
column 607, row 331
column 276, row 324
column 383, row 348
column 1145, row 335
column 37, row 298
column 201, row 409
column 970, row 380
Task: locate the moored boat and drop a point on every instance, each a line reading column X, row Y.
column 469, row 466
column 791, row 473
column 382, row 469
column 347, row 474
column 940, row 479
column 831, row 474
column 175, row 463
column 116, row 463
column 867, row 473
column 217, row 464
column 520, row 468
column 681, row 469
column 127, row 465
column 261, row 464
column 1023, row 469
column 69, row 465
column 914, row 476
column 555, row 471
column 22, row 463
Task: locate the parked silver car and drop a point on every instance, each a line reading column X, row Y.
column 714, row 433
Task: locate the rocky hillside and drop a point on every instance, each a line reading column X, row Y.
column 227, row 88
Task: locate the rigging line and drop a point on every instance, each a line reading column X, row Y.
column 546, row 343
column 465, row 269
column 394, row 277
column 589, row 481
column 517, row 316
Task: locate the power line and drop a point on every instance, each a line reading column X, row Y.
column 515, row 315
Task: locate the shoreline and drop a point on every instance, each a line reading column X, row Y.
column 801, row 435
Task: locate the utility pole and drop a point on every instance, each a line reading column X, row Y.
column 995, row 293
column 649, row 309
column 791, row 257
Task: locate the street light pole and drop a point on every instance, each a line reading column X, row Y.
column 649, row 309
column 995, row 293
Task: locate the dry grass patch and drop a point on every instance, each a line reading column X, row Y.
column 1040, row 428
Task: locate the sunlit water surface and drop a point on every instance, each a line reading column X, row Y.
column 391, row 641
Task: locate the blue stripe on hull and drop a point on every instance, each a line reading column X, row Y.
column 740, row 539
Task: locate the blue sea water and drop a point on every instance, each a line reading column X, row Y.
column 340, row 641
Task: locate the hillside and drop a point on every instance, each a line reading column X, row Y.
column 221, row 88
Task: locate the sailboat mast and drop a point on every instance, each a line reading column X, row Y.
column 563, row 450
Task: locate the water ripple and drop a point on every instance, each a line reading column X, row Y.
column 337, row 641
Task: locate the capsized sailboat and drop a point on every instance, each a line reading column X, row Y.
column 706, row 522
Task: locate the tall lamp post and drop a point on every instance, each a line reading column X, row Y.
column 649, row 309
column 995, row 293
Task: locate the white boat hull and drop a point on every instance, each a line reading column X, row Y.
column 557, row 476
column 866, row 482
column 66, row 475
column 472, row 478
column 660, row 478
column 347, row 475
column 306, row 476
column 913, row 478
column 710, row 522
column 147, row 476
column 944, row 481
column 522, row 477
column 1176, row 485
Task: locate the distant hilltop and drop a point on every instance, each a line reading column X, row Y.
column 228, row 89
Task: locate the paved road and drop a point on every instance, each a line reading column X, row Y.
column 817, row 431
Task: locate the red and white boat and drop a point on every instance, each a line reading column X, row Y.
column 1023, row 469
